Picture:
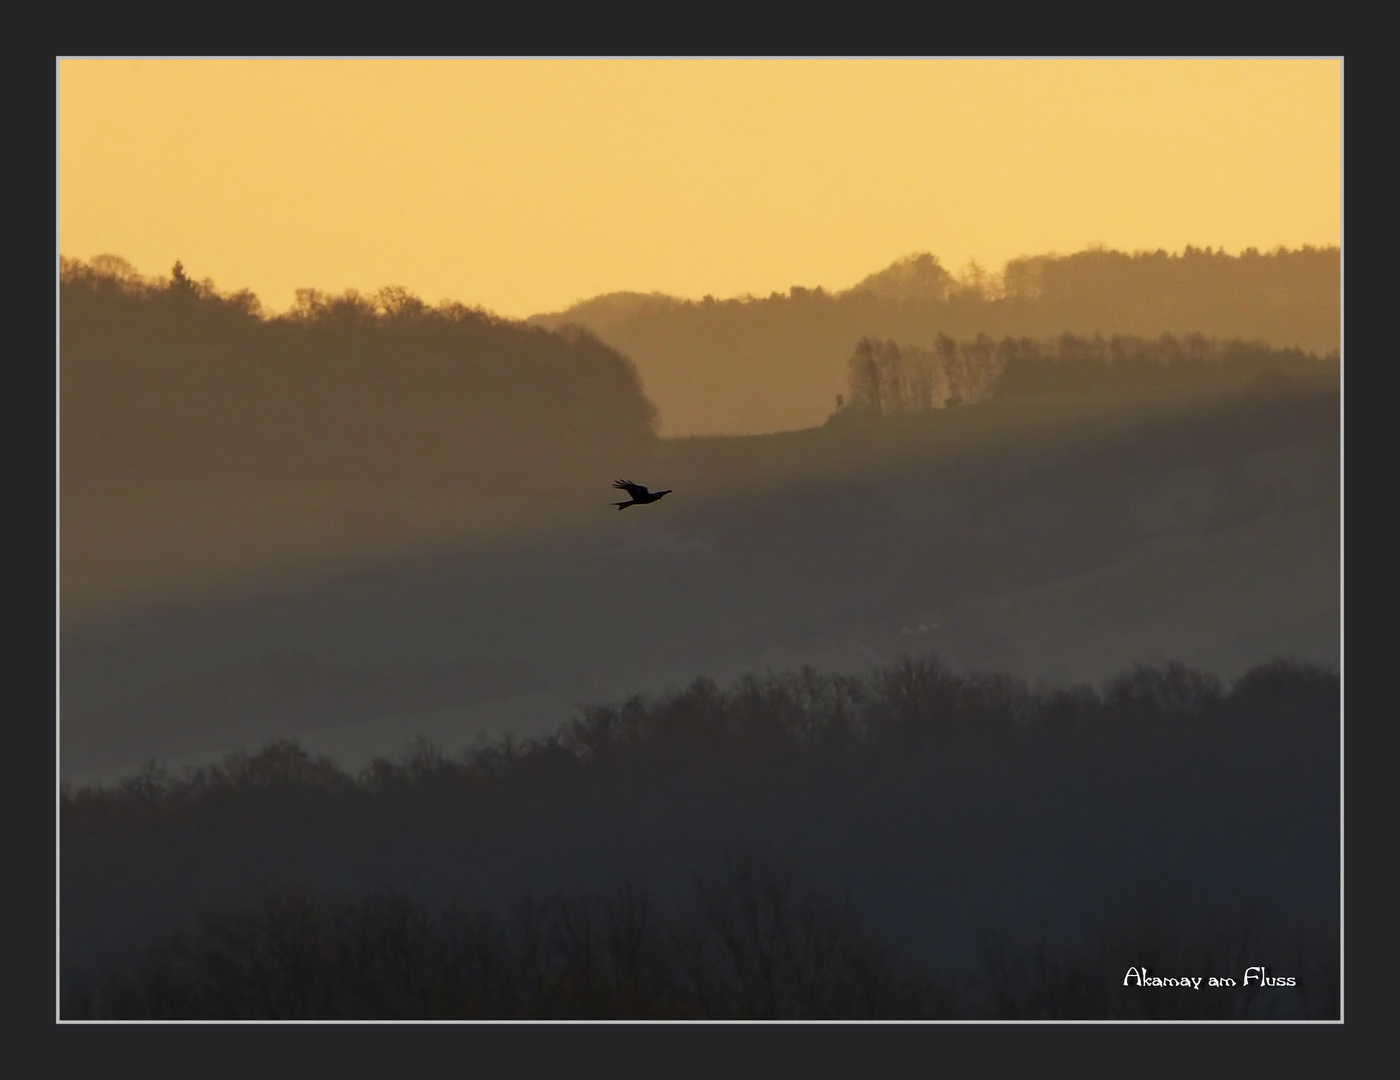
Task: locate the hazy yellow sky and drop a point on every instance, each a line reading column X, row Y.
column 525, row 185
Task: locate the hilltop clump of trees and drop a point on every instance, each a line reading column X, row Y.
column 791, row 845
column 884, row 377
column 192, row 420
column 338, row 386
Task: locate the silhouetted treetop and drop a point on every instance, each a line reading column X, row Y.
column 761, row 720
column 914, row 277
column 885, row 377
column 482, row 368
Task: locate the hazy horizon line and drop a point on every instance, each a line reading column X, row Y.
column 973, row 274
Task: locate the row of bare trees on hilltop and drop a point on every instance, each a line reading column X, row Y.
column 884, row 377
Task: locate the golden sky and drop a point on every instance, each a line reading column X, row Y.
column 525, row 185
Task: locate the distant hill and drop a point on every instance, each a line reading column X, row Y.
column 603, row 313
column 753, row 365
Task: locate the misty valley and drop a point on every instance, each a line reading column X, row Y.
column 995, row 655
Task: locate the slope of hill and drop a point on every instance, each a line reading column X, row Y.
column 1053, row 537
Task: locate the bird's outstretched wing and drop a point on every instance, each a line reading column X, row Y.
column 632, row 489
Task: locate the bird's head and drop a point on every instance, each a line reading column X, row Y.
column 661, row 493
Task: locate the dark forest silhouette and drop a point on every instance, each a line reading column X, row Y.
column 394, row 892
column 201, row 440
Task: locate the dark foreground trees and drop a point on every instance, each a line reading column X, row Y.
column 748, row 944
column 918, row 842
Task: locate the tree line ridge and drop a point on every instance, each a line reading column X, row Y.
column 1171, row 752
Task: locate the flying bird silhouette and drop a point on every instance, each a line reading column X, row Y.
column 638, row 492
